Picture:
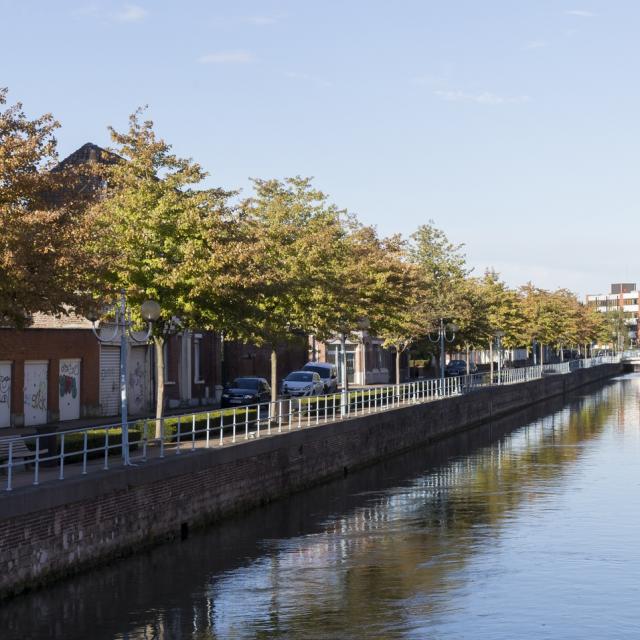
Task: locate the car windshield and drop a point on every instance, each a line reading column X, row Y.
column 246, row 383
column 323, row 372
column 299, row 376
column 457, row 363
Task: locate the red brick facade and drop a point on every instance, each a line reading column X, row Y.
column 51, row 345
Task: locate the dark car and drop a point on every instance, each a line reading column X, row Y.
column 459, row 368
column 244, row 391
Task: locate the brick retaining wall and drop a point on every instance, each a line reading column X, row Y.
column 56, row 529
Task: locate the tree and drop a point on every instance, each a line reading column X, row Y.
column 400, row 311
column 615, row 330
column 549, row 316
column 43, row 264
column 162, row 238
column 590, row 326
column 473, row 317
column 298, row 241
column 443, row 272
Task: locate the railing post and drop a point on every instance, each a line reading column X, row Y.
column 84, row 454
column 162, row 432
column 145, row 438
column 193, row 432
column 258, row 416
column 36, row 468
column 61, row 474
column 10, row 466
column 106, row 449
column 207, row 428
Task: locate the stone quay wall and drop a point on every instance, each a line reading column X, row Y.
column 54, row 530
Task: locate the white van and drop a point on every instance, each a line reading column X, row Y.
column 328, row 373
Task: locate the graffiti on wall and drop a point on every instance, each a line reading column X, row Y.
column 5, row 389
column 39, row 398
column 136, row 386
column 69, row 374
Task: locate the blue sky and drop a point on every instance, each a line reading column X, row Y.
column 512, row 124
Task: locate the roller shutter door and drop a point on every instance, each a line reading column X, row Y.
column 110, row 380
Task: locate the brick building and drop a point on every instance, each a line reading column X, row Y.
column 47, row 372
column 623, row 297
column 368, row 362
column 56, row 370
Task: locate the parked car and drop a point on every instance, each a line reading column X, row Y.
column 244, row 391
column 328, row 374
column 303, row 383
column 459, row 368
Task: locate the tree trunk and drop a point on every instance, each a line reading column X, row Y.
column 158, row 342
column 274, row 374
column 468, row 364
column 397, row 366
column 541, row 354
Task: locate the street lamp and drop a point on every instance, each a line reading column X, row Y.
column 499, row 335
column 442, row 337
column 150, row 311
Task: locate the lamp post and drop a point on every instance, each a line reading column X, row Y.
column 499, row 335
column 442, row 338
column 150, row 311
column 344, row 391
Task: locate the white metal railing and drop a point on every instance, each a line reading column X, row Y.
column 57, row 455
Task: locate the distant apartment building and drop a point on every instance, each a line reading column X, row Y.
column 624, row 297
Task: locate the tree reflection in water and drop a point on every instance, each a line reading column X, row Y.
column 377, row 554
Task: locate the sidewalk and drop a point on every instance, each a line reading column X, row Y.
column 99, row 421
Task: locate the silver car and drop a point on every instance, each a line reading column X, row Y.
column 302, row 383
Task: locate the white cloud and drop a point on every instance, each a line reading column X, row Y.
column 484, row 97
column 580, row 13
column 536, row 44
column 226, row 57
column 131, row 13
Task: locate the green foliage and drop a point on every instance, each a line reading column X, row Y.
column 297, row 241
column 163, row 238
column 96, row 439
column 44, row 266
column 283, row 262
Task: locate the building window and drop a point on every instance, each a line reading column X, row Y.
column 165, row 351
column 197, row 359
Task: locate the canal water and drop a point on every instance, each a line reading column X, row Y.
column 525, row 528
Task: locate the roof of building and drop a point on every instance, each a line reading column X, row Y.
column 88, row 152
column 71, row 321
